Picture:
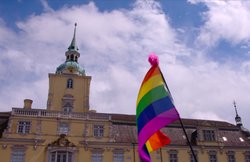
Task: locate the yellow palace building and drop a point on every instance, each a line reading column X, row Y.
column 68, row 131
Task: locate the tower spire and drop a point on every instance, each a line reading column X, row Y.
column 73, row 46
column 237, row 117
column 71, row 66
column 235, row 108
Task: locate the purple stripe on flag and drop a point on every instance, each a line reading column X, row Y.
column 155, row 124
column 144, row 155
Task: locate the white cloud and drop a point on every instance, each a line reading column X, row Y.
column 46, row 6
column 224, row 20
column 207, row 115
column 120, row 38
column 114, row 47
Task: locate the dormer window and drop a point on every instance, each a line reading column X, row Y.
column 241, row 139
column 209, row 135
column 70, row 83
column 224, row 139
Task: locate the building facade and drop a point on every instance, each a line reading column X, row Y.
column 68, row 131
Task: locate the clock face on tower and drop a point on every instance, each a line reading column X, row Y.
column 70, row 69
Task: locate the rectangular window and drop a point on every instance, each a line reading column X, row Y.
column 98, row 130
column 192, row 157
column 70, row 83
column 24, row 127
column 213, row 158
column 96, row 157
column 63, row 128
column 17, row 155
column 231, row 158
column 61, row 156
column 173, row 156
column 247, row 158
column 209, row 135
column 118, row 157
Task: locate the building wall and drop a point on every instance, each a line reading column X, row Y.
column 58, row 88
column 44, row 132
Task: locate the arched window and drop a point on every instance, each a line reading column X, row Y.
column 70, row 83
column 72, row 58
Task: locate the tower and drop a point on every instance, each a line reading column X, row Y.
column 69, row 86
column 237, row 117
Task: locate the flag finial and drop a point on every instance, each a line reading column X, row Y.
column 153, row 59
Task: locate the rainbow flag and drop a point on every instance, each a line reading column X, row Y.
column 155, row 110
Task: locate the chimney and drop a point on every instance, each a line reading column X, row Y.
column 27, row 104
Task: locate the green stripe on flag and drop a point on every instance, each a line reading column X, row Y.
column 149, row 98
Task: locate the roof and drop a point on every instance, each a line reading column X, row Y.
column 70, row 65
column 121, row 118
column 4, row 118
column 73, row 46
column 124, row 130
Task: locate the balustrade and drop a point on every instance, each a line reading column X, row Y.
column 59, row 114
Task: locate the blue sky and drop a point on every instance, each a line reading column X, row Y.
column 203, row 46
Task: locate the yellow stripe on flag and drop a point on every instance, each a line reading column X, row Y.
column 149, row 146
column 153, row 82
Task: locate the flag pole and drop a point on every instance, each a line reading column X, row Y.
column 188, row 140
column 180, row 119
column 161, row 155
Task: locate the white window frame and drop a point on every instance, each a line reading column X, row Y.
column 68, row 103
column 98, row 130
column 23, row 127
column 54, row 156
column 247, row 157
column 18, row 154
column 173, row 156
column 209, row 135
column 70, row 83
column 68, row 150
column 118, row 156
column 212, row 156
column 97, row 156
column 231, row 156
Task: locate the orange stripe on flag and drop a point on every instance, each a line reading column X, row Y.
column 157, row 141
